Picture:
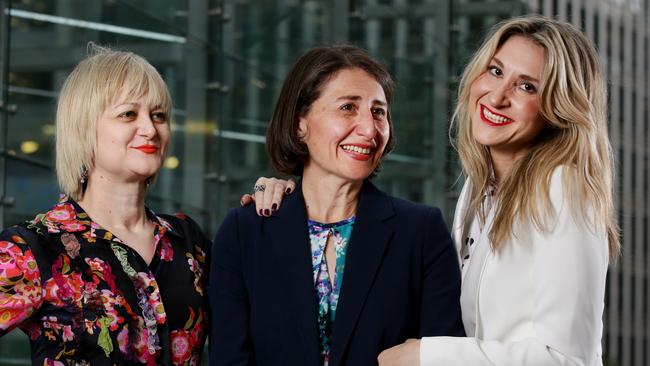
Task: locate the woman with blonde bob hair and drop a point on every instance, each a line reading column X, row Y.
column 535, row 223
column 100, row 279
column 95, row 83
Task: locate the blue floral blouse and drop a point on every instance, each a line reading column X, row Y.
column 328, row 297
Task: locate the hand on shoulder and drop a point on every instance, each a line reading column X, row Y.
column 268, row 194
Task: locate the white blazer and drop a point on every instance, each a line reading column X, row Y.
column 539, row 299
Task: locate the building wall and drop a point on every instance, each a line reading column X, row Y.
column 224, row 61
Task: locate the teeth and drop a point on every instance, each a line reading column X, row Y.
column 356, row 149
column 494, row 118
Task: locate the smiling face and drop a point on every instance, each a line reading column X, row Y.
column 346, row 129
column 504, row 99
column 132, row 139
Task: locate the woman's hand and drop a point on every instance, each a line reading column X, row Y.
column 406, row 354
column 268, row 194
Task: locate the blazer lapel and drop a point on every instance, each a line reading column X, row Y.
column 288, row 234
column 370, row 238
column 483, row 250
column 473, row 272
column 459, row 226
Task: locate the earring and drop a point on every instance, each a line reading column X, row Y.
column 84, row 174
column 147, row 182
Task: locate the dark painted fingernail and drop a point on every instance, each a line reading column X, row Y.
column 287, row 191
column 267, row 212
column 274, row 206
column 261, row 212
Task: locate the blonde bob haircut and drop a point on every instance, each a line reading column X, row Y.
column 97, row 82
column 573, row 102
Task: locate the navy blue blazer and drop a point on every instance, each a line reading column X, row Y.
column 401, row 280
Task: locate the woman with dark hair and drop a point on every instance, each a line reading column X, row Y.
column 344, row 271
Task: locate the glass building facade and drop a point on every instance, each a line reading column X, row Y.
column 224, row 62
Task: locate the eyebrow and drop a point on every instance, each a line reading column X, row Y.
column 523, row 76
column 135, row 104
column 357, row 98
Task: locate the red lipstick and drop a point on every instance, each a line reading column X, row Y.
column 147, row 149
column 503, row 120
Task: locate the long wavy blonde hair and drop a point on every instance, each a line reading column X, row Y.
column 573, row 102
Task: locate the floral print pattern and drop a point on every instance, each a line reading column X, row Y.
column 84, row 297
column 19, row 282
column 328, row 295
column 182, row 340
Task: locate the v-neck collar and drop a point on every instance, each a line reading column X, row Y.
column 67, row 216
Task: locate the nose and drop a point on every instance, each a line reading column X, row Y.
column 499, row 95
column 366, row 126
column 146, row 126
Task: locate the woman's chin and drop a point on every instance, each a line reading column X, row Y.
column 357, row 176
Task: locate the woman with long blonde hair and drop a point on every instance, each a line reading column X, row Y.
column 535, row 223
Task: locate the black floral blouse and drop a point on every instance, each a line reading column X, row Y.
column 85, row 298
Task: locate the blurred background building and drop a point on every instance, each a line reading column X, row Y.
column 224, row 61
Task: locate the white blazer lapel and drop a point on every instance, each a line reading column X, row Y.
column 472, row 273
column 459, row 226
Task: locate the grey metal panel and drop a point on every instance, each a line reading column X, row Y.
column 533, row 6
column 561, row 10
column 441, row 103
column 308, row 30
column 547, row 8
column 496, row 7
column 401, row 34
column 589, row 9
column 576, row 5
column 373, row 30
column 637, row 84
column 645, row 119
column 624, row 117
column 340, row 21
column 196, row 106
column 4, row 100
column 252, row 92
column 612, row 328
column 225, row 76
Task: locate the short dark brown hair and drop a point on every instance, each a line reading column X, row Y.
column 301, row 87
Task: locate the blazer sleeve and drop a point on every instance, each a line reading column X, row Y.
column 230, row 343
column 440, row 312
column 568, row 275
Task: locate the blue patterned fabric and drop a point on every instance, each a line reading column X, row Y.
column 328, row 295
